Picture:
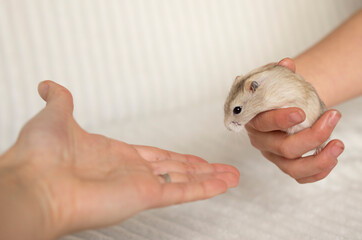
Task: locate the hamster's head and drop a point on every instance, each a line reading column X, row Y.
column 237, row 108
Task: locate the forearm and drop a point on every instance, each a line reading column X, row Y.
column 334, row 65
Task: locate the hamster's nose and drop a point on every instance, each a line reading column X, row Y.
column 236, row 123
column 228, row 125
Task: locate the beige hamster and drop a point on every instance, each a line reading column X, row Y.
column 271, row 87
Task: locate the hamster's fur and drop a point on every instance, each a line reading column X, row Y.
column 271, row 87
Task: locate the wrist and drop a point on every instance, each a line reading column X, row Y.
column 309, row 68
column 23, row 213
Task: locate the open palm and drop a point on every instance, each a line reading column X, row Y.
column 86, row 180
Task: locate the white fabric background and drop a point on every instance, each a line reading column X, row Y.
column 156, row 72
column 125, row 59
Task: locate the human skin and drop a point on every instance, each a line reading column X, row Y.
column 333, row 67
column 58, row 178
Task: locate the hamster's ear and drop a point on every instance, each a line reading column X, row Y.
column 254, row 85
column 238, row 78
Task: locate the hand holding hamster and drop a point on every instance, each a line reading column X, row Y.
column 272, row 131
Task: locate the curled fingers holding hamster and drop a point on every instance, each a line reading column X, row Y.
column 283, row 135
column 333, row 67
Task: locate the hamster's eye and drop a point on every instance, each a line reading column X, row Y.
column 237, row 110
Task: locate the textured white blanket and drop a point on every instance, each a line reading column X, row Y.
column 267, row 204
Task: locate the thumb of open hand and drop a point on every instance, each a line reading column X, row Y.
column 56, row 95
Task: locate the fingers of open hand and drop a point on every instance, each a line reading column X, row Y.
column 196, row 172
column 294, row 146
column 190, row 181
column 153, row 154
column 190, row 177
column 311, row 168
column 229, row 179
column 191, row 191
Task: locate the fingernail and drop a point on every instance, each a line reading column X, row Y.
column 337, row 149
column 334, row 118
column 296, row 117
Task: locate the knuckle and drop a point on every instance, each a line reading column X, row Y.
column 285, row 150
column 191, row 178
column 285, row 167
column 284, row 170
column 323, row 164
column 190, row 169
column 292, row 173
column 287, row 170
